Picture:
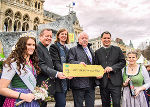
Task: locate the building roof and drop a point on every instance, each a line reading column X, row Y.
column 51, row 14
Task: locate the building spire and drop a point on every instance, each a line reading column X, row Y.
column 131, row 45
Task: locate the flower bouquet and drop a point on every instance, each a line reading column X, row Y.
column 40, row 93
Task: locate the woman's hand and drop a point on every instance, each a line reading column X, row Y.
column 27, row 97
column 126, row 82
column 138, row 90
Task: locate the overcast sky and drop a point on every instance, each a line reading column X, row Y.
column 125, row 19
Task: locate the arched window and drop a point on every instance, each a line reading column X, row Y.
column 35, row 27
column 25, row 26
column 17, row 25
column 36, row 4
column 36, row 22
column 52, row 16
column 17, row 22
column 39, row 6
column 18, row 15
column 9, row 13
column 7, row 24
column 26, row 17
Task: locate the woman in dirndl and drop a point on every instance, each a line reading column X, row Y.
column 19, row 74
column 141, row 81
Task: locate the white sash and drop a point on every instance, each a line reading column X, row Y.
column 26, row 76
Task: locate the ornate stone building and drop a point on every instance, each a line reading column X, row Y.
column 25, row 15
column 96, row 43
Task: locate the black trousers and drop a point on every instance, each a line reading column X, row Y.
column 110, row 91
column 79, row 95
column 43, row 104
column 60, row 98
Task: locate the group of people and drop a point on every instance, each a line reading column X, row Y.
column 30, row 64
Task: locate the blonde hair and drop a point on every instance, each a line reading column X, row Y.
column 46, row 29
column 133, row 52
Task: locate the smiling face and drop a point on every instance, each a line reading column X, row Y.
column 30, row 46
column 63, row 36
column 46, row 38
column 132, row 58
column 106, row 40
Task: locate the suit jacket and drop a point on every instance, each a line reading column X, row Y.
column 77, row 55
column 112, row 57
column 46, row 66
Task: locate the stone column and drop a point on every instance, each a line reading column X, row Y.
column 12, row 27
column 31, row 24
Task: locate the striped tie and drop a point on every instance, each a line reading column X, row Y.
column 87, row 53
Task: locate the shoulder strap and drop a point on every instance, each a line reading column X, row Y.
column 27, row 77
column 140, row 67
column 125, row 69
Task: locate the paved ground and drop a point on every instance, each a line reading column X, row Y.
column 70, row 103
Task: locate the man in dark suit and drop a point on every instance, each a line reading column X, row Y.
column 83, row 88
column 46, row 64
column 112, row 60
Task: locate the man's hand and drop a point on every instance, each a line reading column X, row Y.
column 60, row 75
column 108, row 69
column 99, row 77
column 69, row 77
column 82, row 63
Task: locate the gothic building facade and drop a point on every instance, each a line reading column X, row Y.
column 25, row 15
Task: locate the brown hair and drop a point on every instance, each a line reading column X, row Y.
column 147, row 66
column 17, row 55
column 57, row 35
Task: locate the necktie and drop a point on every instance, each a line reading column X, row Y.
column 88, row 54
